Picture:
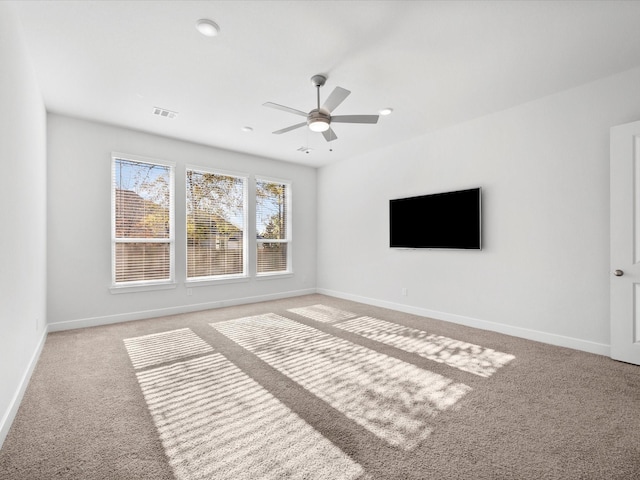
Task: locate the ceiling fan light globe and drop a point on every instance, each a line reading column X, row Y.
column 319, row 125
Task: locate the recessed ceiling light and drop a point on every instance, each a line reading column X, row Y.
column 247, row 129
column 386, row 111
column 207, row 27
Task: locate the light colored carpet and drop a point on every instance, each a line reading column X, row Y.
column 315, row 387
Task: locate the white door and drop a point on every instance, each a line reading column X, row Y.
column 625, row 243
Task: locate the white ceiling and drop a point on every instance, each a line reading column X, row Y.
column 435, row 63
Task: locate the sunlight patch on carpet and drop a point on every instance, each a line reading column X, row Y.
column 215, row 421
column 392, row 399
column 164, row 347
column 323, row 313
column 455, row 353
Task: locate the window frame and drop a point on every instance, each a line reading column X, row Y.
column 288, row 230
column 143, row 285
column 226, row 278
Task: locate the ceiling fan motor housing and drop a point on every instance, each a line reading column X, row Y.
column 318, row 120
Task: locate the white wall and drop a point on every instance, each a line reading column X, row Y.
column 22, row 218
column 79, row 225
column 543, row 272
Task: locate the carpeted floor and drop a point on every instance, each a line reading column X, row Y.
column 316, row 387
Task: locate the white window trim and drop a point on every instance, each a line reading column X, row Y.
column 209, row 281
column 143, row 287
column 218, row 279
column 273, row 275
column 147, row 285
column 289, row 240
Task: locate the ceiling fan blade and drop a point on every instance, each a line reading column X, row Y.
column 288, row 129
column 336, row 98
column 355, row 118
column 329, row 135
column 285, row 109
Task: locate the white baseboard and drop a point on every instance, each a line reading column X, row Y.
column 529, row 334
column 10, row 414
column 161, row 312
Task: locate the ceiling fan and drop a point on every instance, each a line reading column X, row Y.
column 319, row 119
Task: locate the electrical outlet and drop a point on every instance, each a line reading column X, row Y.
column 404, row 292
column 189, row 292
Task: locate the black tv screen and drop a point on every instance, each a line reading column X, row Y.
column 441, row 220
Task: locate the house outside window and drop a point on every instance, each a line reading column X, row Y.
column 142, row 204
column 216, row 224
column 273, row 226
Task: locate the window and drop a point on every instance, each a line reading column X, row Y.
column 142, row 221
column 216, row 225
column 273, row 226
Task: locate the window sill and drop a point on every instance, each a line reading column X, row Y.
column 118, row 289
column 273, row 276
column 206, row 282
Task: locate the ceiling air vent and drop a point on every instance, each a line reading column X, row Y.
column 162, row 112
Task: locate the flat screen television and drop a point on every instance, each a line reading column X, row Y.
column 451, row 220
